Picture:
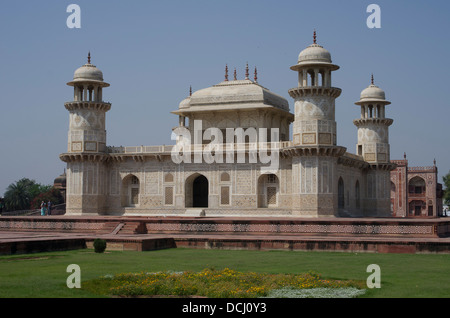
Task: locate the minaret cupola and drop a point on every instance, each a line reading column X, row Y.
column 314, row 66
column 373, row 126
column 88, row 83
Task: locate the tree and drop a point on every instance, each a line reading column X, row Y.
column 446, row 180
column 53, row 195
column 37, row 189
column 19, row 195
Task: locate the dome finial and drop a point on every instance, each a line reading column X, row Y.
column 371, row 79
column 190, row 90
column 235, row 74
column 89, row 57
column 315, row 37
column 256, row 75
column 246, row 72
column 226, row 72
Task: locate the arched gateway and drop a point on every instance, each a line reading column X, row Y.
column 196, row 191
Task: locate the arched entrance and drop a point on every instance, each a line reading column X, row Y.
column 196, row 191
column 417, row 186
column 416, row 207
column 200, row 192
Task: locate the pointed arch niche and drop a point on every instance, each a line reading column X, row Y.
column 130, row 191
column 268, row 189
column 196, row 191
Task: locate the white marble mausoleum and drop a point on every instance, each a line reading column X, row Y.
column 306, row 175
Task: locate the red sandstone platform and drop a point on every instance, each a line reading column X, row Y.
column 42, row 233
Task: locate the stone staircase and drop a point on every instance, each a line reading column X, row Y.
column 130, row 228
column 195, row 212
column 110, row 227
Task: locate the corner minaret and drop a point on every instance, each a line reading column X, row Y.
column 373, row 146
column 86, row 153
column 314, row 97
column 373, row 126
column 314, row 147
column 87, row 111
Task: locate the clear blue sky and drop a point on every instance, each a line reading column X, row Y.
column 152, row 51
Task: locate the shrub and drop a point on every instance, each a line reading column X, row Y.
column 99, row 245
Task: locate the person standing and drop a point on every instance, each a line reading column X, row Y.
column 49, row 207
column 42, row 208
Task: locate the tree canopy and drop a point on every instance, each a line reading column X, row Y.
column 20, row 194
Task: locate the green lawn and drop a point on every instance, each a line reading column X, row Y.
column 402, row 275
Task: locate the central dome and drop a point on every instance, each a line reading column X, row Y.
column 237, row 93
column 233, row 95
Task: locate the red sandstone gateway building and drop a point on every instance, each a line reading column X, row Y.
column 415, row 191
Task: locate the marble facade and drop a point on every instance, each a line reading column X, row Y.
column 314, row 177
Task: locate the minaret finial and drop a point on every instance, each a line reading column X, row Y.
column 246, row 72
column 89, row 57
column 371, row 79
column 235, row 74
column 226, row 72
column 315, row 36
column 256, row 75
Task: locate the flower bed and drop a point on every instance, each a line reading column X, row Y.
column 226, row 283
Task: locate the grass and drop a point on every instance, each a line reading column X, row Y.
column 402, row 275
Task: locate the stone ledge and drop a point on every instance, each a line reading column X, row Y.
column 41, row 245
column 382, row 227
column 313, row 244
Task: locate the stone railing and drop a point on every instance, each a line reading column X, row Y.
column 56, row 209
column 21, row 212
column 422, row 169
column 140, row 149
column 202, row 147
